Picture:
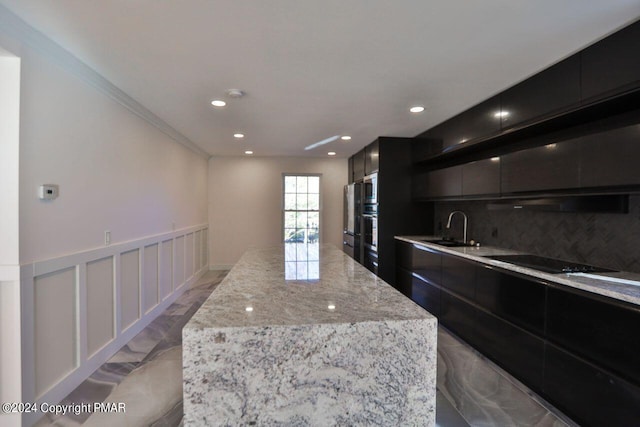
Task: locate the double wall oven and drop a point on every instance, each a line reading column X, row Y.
column 370, row 222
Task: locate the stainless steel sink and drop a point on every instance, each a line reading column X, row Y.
column 445, row 242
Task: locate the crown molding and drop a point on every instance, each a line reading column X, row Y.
column 13, row 26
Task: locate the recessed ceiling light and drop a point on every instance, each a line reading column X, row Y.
column 248, row 152
column 238, row 135
column 495, row 159
column 331, row 153
column 500, row 114
column 345, row 137
column 416, row 109
column 218, row 103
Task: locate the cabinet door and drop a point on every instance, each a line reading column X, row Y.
column 612, row 65
column 480, row 121
column 404, row 281
column 404, row 255
column 550, row 167
column 459, row 276
column 481, row 177
column 590, row 396
column 517, row 351
column 601, row 331
column 444, row 182
column 611, row 158
column 358, row 165
column 372, row 158
column 350, row 170
column 457, row 316
column 517, row 299
column 426, row 295
column 425, row 148
column 427, row 264
column 549, row 92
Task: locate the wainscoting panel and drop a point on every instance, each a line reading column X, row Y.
column 188, row 260
column 130, row 288
column 150, row 277
column 80, row 309
column 100, row 304
column 205, row 247
column 198, row 249
column 166, row 271
column 178, row 262
column 56, row 325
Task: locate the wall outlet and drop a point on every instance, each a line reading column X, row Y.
column 48, row 191
column 107, row 238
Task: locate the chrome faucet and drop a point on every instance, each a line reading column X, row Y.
column 465, row 224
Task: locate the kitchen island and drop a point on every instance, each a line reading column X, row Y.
column 301, row 334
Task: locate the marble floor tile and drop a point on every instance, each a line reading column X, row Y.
column 484, row 394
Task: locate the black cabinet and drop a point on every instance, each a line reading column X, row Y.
column 404, row 281
column 554, row 166
column 457, row 315
column 481, row 178
column 478, row 122
column 440, row 183
column 514, row 349
column 371, row 158
column 603, row 331
column 459, row 276
column 588, row 394
column 426, row 295
column 350, row 176
column 520, row 300
column 427, row 264
column 612, row 65
column 610, row 158
column 358, row 165
column 425, row 148
column 549, row 92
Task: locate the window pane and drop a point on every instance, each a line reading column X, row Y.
column 301, row 184
column 314, row 184
column 289, row 184
column 290, row 202
column 301, row 220
column 289, row 220
column 314, row 202
column 301, row 203
column 313, row 219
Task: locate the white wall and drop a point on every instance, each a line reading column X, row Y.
column 116, row 172
column 245, row 202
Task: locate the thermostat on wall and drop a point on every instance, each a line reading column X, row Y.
column 48, row 192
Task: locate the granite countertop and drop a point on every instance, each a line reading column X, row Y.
column 613, row 286
column 299, row 284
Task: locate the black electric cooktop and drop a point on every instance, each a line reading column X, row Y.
column 548, row 265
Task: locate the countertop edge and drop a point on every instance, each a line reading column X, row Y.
column 622, row 292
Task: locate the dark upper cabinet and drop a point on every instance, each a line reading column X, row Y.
column 517, row 299
column 478, row 122
column 611, row 158
column 554, row 166
column 425, row 148
column 358, row 165
column 603, row 331
column 589, row 395
column 549, row 92
column 481, row 178
column 612, row 65
column 372, row 158
column 439, row 183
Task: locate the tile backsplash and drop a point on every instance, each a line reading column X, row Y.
column 605, row 240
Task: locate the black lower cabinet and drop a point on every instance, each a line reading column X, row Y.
column 589, row 395
column 516, row 298
column 459, row 276
column 458, row 316
column 403, row 281
column 426, row 295
column 511, row 347
column 605, row 331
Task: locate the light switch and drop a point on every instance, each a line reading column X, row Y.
column 48, row 192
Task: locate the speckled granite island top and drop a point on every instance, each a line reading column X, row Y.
column 301, row 334
column 619, row 285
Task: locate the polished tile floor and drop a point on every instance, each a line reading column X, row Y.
column 146, row 374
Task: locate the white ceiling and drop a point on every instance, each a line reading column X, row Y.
column 314, row 69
